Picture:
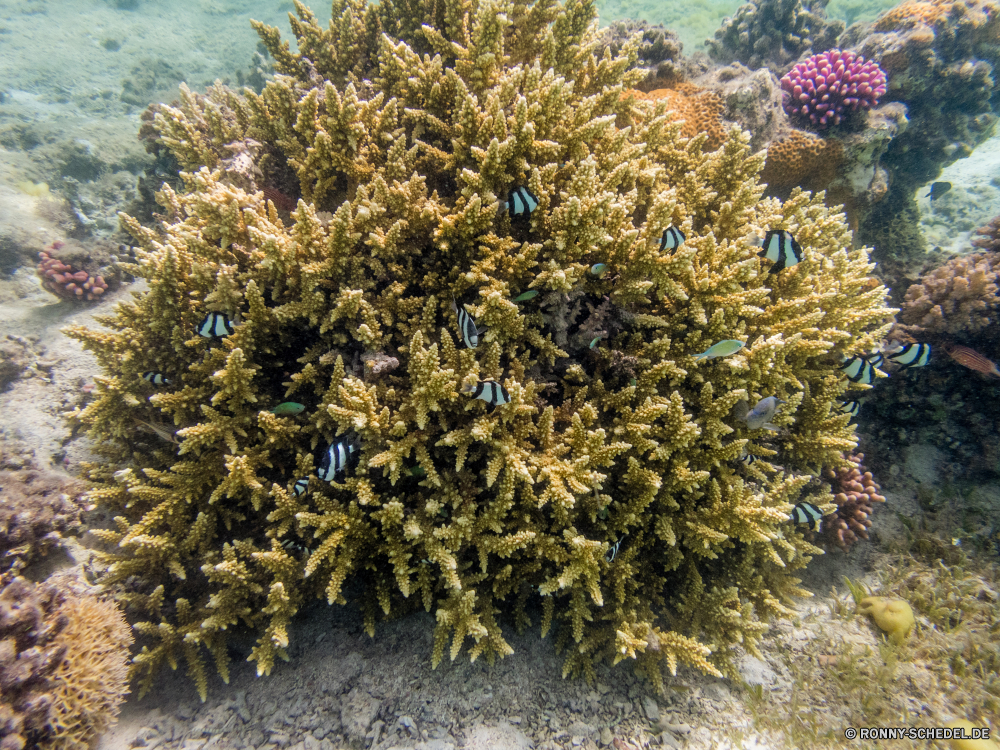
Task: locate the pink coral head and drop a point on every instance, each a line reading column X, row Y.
column 824, row 88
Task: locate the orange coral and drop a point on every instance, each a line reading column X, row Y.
column 803, row 160
column 934, row 13
column 700, row 109
column 92, row 680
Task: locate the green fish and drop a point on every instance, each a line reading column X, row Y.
column 417, row 471
column 526, row 296
column 722, row 349
column 288, row 409
column 594, row 342
column 598, row 269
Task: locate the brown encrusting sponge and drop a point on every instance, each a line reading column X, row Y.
column 607, row 480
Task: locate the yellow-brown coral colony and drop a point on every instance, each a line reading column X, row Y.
column 402, row 130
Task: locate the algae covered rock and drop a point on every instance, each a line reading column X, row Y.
column 410, row 143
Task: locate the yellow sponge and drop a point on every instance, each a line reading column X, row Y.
column 894, row 616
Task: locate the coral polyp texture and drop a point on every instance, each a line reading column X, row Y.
column 825, row 88
column 414, row 139
column 66, row 280
column 956, row 300
column 855, row 492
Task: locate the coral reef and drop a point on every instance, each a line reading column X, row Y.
column 955, row 301
column 63, row 665
column 823, row 89
column 61, row 276
column 774, row 33
column 801, row 159
column 700, row 110
column 402, row 131
column 855, row 492
column 91, row 680
column 989, row 236
column 29, row 655
column 940, row 59
column 39, row 509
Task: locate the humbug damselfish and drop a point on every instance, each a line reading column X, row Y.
column 807, row 513
column 780, row 248
column 521, row 202
column 215, row 325
column 490, row 391
column 337, row 457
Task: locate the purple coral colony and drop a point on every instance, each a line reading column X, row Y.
column 843, row 126
column 826, row 87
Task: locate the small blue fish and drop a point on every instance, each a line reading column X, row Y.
column 598, row 269
column 215, row 325
column 467, row 326
column 781, row 249
column 336, row 458
column 594, row 342
column 672, row 238
column 761, row 414
column 938, row 189
column 301, row 486
column 490, row 391
column 807, row 513
column 525, row 296
column 521, row 202
column 722, row 349
column 288, row 409
column 911, row 355
column 156, row 378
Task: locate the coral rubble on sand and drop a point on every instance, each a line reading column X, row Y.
column 448, row 161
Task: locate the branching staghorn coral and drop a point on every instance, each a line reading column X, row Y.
column 405, row 146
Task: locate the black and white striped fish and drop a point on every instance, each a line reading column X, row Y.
column 911, row 355
column 748, row 459
column 876, row 359
column 672, row 238
column 300, row 486
column 521, row 202
column 156, row 378
column 215, row 325
column 807, row 513
column 780, row 248
column 850, row 407
column 470, row 334
column 859, row 370
column 336, row 458
column 613, row 550
column 489, row 391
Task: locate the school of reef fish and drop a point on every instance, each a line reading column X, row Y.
column 451, row 315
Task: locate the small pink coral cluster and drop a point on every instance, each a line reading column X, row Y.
column 63, row 281
column 855, row 494
column 825, row 86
